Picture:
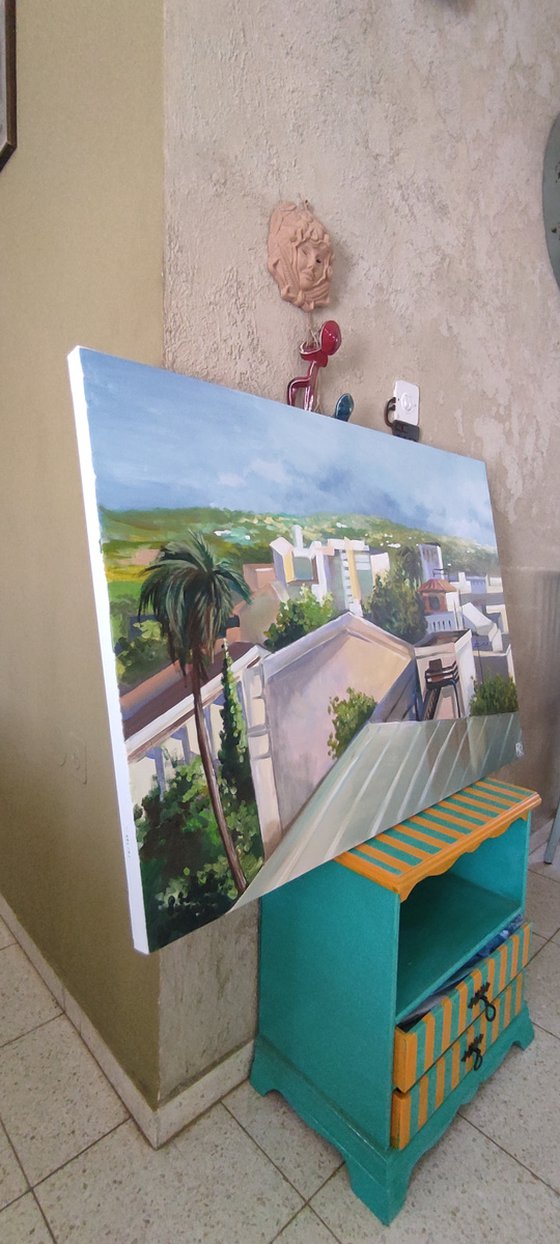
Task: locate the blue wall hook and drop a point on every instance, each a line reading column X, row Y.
column 344, row 407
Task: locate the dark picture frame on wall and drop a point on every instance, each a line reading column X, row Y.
column 8, row 127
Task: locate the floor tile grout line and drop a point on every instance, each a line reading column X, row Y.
column 286, row 1225
column 320, row 1216
column 311, row 1207
column 289, row 1223
column 328, row 1178
column 35, row 969
column 267, row 1156
column 535, row 869
column 535, row 865
column 29, row 1192
column 547, row 1030
column 15, row 1199
column 510, row 1155
column 271, row 1160
column 14, row 1040
column 108, row 1082
column 541, row 846
column 39, row 1182
column 547, row 941
column 14, row 1151
column 44, row 1217
column 63, row 1014
column 543, row 935
column 187, row 1127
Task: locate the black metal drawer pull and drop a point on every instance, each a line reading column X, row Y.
column 480, row 996
column 473, row 1050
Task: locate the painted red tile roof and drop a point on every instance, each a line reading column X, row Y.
column 437, row 585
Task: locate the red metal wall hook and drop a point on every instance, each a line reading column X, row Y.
column 317, row 355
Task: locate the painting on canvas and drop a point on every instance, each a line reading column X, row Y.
column 303, row 631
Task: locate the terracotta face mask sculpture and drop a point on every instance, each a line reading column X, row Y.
column 300, row 256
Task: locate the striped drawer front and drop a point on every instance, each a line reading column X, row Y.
column 415, row 1051
column 410, row 1111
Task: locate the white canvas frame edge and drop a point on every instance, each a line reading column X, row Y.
column 102, row 608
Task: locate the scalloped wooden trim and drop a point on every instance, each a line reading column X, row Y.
column 433, row 865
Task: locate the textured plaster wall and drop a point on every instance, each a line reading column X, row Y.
column 80, row 262
column 417, row 130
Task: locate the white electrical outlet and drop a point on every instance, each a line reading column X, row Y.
column 407, row 402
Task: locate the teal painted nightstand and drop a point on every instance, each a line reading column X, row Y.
column 349, row 950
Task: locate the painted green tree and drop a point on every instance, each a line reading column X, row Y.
column 348, row 715
column 186, row 879
column 191, row 593
column 395, row 606
column 140, row 657
column 408, row 559
column 233, row 755
column 494, row 695
column 298, row 617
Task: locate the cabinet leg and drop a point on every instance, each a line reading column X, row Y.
column 385, row 1195
column 379, row 1177
column 262, row 1076
column 524, row 1031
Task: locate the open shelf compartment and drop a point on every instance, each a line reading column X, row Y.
column 443, row 924
column 448, row 918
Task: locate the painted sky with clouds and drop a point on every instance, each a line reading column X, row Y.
column 168, row 441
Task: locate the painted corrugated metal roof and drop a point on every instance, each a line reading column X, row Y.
column 389, row 772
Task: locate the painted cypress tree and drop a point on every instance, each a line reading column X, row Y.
column 234, row 751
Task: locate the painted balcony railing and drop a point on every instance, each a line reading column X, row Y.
column 170, row 738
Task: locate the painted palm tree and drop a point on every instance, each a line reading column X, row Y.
column 191, row 594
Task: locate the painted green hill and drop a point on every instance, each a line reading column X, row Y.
column 245, row 538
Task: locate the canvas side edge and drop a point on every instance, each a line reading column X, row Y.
column 102, row 609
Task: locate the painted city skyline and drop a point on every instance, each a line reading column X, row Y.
column 279, row 598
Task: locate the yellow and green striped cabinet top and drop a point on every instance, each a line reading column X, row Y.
column 428, row 843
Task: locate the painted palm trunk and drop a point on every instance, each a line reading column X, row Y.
column 303, row 631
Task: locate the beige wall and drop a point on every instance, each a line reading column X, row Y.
column 80, row 262
column 417, row 130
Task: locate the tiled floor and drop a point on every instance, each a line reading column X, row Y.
column 74, row 1167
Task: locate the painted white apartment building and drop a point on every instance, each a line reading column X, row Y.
column 344, row 569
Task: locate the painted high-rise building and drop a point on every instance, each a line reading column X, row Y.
column 431, row 559
column 342, row 568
